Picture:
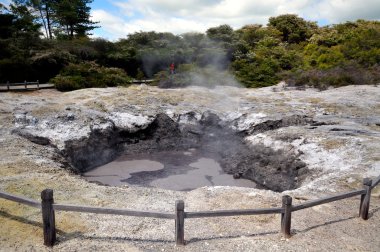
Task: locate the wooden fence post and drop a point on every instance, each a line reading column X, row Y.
column 48, row 217
column 365, row 199
column 179, row 222
column 25, row 83
column 38, row 84
column 286, row 216
column 8, row 85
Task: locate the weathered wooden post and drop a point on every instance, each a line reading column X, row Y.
column 8, row 85
column 179, row 222
column 286, row 216
column 38, row 84
column 365, row 199
column 25, row 83
column 48, row 217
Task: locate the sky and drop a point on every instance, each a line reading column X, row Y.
column 118, row 18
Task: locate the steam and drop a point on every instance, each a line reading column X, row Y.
column 217, row 78
column 199, row 61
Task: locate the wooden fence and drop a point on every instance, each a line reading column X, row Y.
column 36, row 85
column 141, row 81
column 26, row 85
column 48, row 208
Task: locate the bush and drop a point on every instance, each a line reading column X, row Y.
column 259, row 73
column 68, row 83
column 89, row 75
column 349, row 74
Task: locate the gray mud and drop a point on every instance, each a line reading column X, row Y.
column 180, row 171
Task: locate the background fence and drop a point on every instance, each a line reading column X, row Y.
column 26, row 85
column 36, row 85
column 48, row 208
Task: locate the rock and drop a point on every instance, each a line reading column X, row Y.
column 32, row 137
column 70, row 117
column 287, row 121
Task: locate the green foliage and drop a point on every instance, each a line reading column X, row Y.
column 259, row 73
column 63, row 19
column 348, row 74
column 289, row 48
column 73, row 17
column 322, row 57
column 68, row 83
column 222, row 33
column 88, row 75
column 293, row 28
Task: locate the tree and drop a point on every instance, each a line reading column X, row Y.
column 294, row 29
column 73, row 17
column 24, row 21
column 46, row 12
column 62, row 17
column 19, row 36
column 6, row 23
column 222, row 33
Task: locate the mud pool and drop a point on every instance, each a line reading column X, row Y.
column 174, row 170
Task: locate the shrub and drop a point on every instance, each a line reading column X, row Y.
column 348, row 74
column 260, row 73
column 68, row 83
column 88, row 75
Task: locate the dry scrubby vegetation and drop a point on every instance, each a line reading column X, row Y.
column 289, row 48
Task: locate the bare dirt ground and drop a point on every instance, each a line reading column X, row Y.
column 340, row 151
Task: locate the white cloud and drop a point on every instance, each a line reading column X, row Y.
column 197, row 15
column 5, row 2
column 111, row 26
column 345, row 10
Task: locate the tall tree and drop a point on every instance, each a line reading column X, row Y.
column 24, row 21
column 73, row 17
column 62, row 17
column 45, row 9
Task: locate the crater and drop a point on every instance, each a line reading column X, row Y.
column 184, row 153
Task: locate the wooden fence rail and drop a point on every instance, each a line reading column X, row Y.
column 21, row 200
column 26, row 85
column 102, row 210
column 226, row 213
column 141, row 81
column 48, row 208
column 312, row 203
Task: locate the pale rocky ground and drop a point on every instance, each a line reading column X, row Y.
column 339, row 155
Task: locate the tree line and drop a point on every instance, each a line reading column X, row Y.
column 49, row 40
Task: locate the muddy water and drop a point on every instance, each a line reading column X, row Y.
column 179, row 171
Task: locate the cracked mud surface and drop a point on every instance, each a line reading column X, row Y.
column 339, row 143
